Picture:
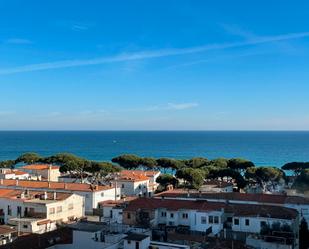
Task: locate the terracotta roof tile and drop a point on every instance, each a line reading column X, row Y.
column 235, row 209
column 235, row 196
column 83, row 187
column 39, row 167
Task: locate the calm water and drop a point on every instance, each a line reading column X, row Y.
column 263, row 148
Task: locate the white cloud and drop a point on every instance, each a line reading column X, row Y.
column 182, row 106
column 18, row 41
column 79, row 27
column 150, row 54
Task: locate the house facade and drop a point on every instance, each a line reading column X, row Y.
column 93, row 194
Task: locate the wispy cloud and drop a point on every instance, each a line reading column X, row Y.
column 18, row 41
column 151, row 54
column 182, row 106
column 169, row 106
column 79, row 27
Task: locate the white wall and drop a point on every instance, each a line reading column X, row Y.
column 130, row 244
column 254, row 223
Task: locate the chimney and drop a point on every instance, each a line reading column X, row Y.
column 49, row 171
column 65, row 185
column 55, row 195
column 45, row 195
column 17, row 182
column 1, row 181
column 48, row 184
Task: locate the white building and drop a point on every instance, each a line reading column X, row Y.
column 208, row 217
column 6, row 173
column 38, row 212
column 299, row 203
column 93, row 194
column 45, row 171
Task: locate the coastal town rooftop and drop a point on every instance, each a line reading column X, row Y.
column 40, row 167
column 135, row 175
column 82, row 187
column 32, row 196
column 235, row 196
column 247, row 210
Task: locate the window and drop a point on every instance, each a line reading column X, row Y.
column 51, row 210
column 263, row 223
column 71, row 206
column 216, row 219
column 210, row 219
column 229, row 219
column 59, row 209
column 185, row 216
column 9, row 210
column 129, row 241
column 172, row 215
column 102, row 194
column 18, row 210
column 203, row 220
column 139, row 186
column 128, row 216
column 25, row 226
column 247, row 222
column 122, row 185
column 163, row 214
column 136, row 245
column 236, row 222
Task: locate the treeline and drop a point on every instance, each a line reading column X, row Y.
column 194, row 171
column 301, row 173
column 69, row 163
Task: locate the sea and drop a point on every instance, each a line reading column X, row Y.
column 264, row 148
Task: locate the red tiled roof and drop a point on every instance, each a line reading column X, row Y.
column 235, row 196
column 16, row 194
column 235, row 209
column 83, row 187
column 133, row 175
column 152, row 203
column 112, row 203
column 6, row 230
column 266, row 211
column 39, row 167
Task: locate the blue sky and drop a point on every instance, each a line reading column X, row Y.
column 154, row 65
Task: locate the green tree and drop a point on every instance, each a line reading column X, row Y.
column 265, row 175
column 229, row 174
column 166, row 179
column 301, row 182
column 168, row 163
column 128, row 161
column 7, row 164
column 148, row 162
column 29, row 158
column 194, row 178
column 297, row 167
column 101, row 170
column 218, row 163
column 196, row 162
column 239, row 164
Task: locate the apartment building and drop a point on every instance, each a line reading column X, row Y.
column 299, row 203
column 45, row 171
column 6, row 173
column 137, row 182
column 207, row 217
column 38, row 211
column 93, row 194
